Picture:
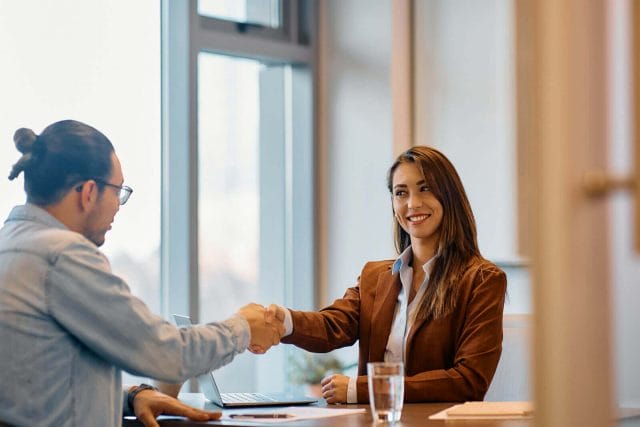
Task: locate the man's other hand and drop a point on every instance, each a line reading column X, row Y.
column 148, row 404
column 266, row 330
column 170, row 389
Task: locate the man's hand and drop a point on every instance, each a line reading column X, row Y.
column 148, row 404
column 334, row 388
column 170, row 389
column 265, row 329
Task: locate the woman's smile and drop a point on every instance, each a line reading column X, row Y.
column 417, row 219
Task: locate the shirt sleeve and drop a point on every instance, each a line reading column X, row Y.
column 98, row 309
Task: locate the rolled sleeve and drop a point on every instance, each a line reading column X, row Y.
column 98, row 308
column 240, row 332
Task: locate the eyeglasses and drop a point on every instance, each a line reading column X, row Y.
column 124, row 191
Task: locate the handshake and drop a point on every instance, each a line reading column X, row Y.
column 266, row 324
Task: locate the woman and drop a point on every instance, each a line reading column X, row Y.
column 437, row 307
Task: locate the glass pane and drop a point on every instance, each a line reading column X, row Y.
column 109, row 78
column 254, row 199
column 262, row 12
column 228, row 194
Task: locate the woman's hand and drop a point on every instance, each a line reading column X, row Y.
column 334, row 388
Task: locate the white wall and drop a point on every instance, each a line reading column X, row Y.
column 625, row 260
column 358, row 128
column 465, row 100
column 465, row 106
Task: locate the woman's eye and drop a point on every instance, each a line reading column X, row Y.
column 424, row 188
column 400, row 193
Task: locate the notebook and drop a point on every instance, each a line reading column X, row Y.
column 486, row 410
column 491, row 409
column 210, row 389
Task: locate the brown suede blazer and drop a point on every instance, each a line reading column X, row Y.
column 451, row 359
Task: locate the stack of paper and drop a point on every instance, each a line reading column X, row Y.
column 486, row 410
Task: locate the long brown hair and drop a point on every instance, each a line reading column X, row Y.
column 458, row 241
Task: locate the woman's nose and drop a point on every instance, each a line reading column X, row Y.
column 415, row 201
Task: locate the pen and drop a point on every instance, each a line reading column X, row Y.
column 254, row 416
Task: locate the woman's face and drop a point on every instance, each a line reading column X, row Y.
column 416, row 208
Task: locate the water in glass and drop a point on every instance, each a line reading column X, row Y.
column 386, row 391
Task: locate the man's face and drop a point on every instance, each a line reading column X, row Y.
column 101, row 217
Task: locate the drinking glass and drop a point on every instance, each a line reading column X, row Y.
column 386, row 390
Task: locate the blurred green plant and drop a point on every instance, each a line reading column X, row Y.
column 310, row 368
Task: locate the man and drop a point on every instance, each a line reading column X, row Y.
column 68, row 325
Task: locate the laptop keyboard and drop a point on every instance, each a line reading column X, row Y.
column 245, row 398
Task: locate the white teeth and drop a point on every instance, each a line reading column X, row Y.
column 418, row 218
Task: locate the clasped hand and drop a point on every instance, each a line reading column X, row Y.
column 267, row 326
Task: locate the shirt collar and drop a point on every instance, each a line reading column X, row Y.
column 29, row 212
column 405, row 258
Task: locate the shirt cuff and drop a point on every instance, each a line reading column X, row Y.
column 288, row 322
column 240, row 332
column 352, row 390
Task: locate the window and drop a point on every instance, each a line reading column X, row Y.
column 215, row 138
column 228, row 191
column 238, row 200
column 108, row 78
column 51, row 74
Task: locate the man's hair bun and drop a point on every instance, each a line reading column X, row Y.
column 24, row 139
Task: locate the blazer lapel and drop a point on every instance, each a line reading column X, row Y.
column 417, row 324
column 387, row 290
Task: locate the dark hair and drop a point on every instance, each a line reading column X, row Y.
column 458, row 241
column 65, row 153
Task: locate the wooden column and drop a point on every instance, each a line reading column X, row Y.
column 402, row 86
column 563, row 138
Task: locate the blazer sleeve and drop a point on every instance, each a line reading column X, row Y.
column 332, row 327
column 477, row 349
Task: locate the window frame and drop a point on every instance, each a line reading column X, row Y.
column 186, row 33
column 285, row 31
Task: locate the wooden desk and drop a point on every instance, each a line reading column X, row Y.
column 413, row 414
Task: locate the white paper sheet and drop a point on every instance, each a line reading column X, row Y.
column 296, row 413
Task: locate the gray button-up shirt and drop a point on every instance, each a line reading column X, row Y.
column 68, row 326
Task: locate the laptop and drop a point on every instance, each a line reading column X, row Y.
column 210, row 389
